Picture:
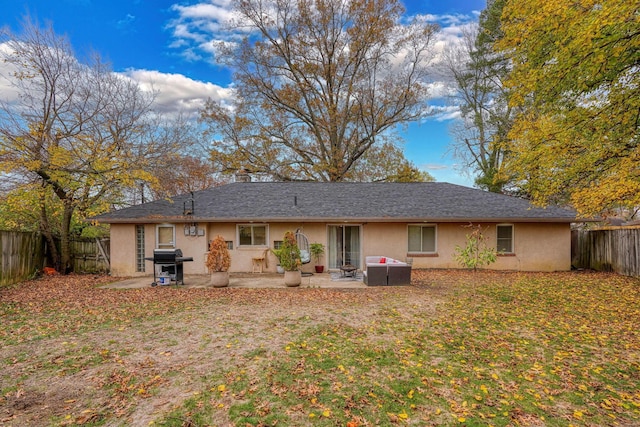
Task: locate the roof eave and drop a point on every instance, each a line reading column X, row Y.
column 182, row 219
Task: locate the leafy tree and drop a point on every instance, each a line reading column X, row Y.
column 35, row 208
column 479, row 72
column 476, row 253
column 76, row 131
column 318, row 84
column 575, row 74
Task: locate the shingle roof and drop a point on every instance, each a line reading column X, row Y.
column 318, row 201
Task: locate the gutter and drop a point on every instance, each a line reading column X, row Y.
column 182, row 219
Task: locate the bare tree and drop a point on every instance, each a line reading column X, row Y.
column 186, row 167
column 318, row 84
column 79, row 130
column 479, row 73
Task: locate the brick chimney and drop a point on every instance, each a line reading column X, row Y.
column 243, row 176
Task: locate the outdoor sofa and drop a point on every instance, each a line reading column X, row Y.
column 385, row 271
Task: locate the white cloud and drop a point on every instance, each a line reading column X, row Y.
column 8, row 93
column 198, row 26
column 434, row 167
column 440, row 89
column 126, row 23
column 218, row 11
column 448, row 38
column 441, row 113
column 184, row 35
column 177, row 93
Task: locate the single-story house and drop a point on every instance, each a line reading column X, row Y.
column 417, row 222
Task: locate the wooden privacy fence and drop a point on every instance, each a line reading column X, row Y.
column 612, row 249
column 21, row 256
column 90, row 255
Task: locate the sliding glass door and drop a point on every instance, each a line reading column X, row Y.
column 343, row 245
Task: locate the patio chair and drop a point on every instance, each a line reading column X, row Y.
column 399, row 275
column 375, row 275
column 260, row 262
column 303, row 245
column 305, row 252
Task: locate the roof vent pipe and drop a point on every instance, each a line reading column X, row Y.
column 295, row 200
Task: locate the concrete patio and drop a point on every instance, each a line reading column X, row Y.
column 247, row 280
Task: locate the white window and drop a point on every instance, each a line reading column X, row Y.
column 422, row 238
column 252, row 235
column 504, row 243
column 165, row 236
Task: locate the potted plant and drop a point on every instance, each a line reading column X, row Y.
column 317, row 249
column 290, row 260
column 218, row 262
column 278, row 254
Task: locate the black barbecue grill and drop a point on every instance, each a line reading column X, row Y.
column 170, row 262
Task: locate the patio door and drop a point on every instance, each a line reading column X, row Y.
column 343, row 245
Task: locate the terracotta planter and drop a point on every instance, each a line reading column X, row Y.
column 220, row 279
column 292, row 278
column 319, row 268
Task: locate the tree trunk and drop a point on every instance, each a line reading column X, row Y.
column 45, row 228
column 65, row 239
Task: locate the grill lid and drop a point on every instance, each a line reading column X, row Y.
column 169, row 255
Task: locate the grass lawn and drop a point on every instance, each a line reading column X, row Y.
column 456, row 348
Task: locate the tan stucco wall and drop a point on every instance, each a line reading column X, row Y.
column 540, row 247
column 123, row 249
column 537, row 247
column 241, row 257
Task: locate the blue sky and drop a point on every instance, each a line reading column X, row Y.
column 164, row 42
